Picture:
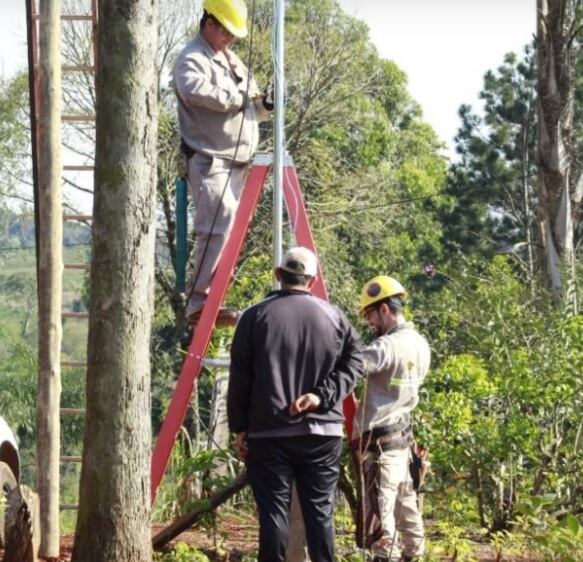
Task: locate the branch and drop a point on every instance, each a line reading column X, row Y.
column 188, row 520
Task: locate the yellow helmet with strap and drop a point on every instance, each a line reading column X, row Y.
column 231, row 14
column 378, row 289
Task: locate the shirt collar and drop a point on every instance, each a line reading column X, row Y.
column 216, row 56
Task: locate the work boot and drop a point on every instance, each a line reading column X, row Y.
column 226, row 317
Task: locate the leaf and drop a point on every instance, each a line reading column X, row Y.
column 571, row 523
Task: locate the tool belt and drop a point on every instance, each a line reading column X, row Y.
column 397, row 435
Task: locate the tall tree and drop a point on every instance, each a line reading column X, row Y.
column 494, row 182
column 114, row 511
column 560, row 180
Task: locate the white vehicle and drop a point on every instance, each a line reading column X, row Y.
column 19, row 523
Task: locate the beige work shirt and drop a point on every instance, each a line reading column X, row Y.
column 395, row 365
column 210, row 87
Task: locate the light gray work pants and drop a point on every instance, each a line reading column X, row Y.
column 402, row 523
column 207, row 178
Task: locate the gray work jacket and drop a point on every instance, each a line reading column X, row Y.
column 210, row 87
column 395, row 366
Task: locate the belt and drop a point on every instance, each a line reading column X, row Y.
column 397, row 435
column 391, row 443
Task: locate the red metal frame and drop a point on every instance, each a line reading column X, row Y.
column 204, row 328
column 219, row 286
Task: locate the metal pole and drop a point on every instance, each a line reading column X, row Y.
column 181, row 228
column 278, row 136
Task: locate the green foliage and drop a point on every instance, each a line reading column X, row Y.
column 553, row 534
column 14, row 135
column 182, row 553
column 500, row 410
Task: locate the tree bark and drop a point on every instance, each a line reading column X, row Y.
column 50, row 271
column 114, row 511
column 559, row 175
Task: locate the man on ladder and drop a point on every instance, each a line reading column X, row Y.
column 219, row 108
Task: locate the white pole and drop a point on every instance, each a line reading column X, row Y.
column 278, row 132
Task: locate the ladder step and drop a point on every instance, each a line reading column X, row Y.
column 72, row 411
column 216, row 362
column 69, row 118
column 78, row 68
column 69, row 17
column 73, row 363
column 65, row 506
column 80, row 168
column 66, row 458
column 78, row 315
column 77, row 217
column 77, row 266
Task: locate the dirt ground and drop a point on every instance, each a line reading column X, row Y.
column 235, row 539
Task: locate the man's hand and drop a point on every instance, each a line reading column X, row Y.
column 241, row 445
column 305, row 403
column 268, row 98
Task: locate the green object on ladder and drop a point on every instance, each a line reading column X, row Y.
column 181, row 226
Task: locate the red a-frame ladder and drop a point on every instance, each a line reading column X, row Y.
column 218, row 290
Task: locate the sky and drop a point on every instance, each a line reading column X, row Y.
column 444, row 46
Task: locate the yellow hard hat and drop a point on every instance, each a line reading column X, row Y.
column 232, row 14
column 378, row 289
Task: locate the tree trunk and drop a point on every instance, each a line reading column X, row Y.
column 114, row 511
column 50, row 271
column 560, row 184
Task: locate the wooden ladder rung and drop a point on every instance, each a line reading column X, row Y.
column 77, row 217
column 65, row 506
column 72, row 411
column 77, row 315
column 69, row 17
column 73, row 363
column 80, row 168
column 67, row 458
column 69, row 117
column 78, row 68
column 77, row 266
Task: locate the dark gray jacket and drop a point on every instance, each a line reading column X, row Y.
column 290, row 344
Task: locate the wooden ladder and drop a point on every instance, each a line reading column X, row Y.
column 80, row 25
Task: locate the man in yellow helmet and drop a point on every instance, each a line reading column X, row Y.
column 395, row 365
column 219, row 108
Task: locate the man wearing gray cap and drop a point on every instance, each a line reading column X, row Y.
column 294, row 359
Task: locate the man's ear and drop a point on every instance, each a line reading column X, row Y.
column 384, row 309
column 311, row 282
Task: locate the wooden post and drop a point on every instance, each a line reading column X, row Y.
column 50, row 238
